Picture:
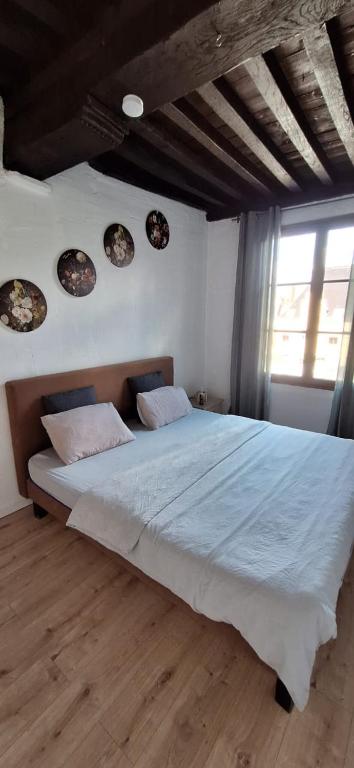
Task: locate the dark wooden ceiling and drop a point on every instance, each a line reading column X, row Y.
column 246, row 103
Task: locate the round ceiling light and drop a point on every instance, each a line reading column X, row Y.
column 132, row 105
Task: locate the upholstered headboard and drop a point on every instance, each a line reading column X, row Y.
column 24, row 397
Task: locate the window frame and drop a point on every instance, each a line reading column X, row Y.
column 321, row 227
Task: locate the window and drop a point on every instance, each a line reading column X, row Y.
column 313, row 272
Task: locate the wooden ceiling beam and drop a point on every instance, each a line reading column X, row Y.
column 342, row 61
column 294, row 105
column 166, row 49
column 186, row 117
column 230, row 110
column 118, row 167
column 20, row 33
column 142, row 155
column 175, row 149
column 321, row 194
column 275, row 98
column 123, row 170
column 320, row 52
column 140, row 26
column 216, row 41
column 51, row 15
column 79, row 138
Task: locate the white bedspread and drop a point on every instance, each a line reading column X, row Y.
column 251, row 524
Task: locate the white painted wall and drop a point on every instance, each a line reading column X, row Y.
column 300, row 407
column 325, row 210
column 156, row 306
column 220, row 296
column 293, row 406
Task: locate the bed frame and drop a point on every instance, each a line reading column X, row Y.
column 24, row 397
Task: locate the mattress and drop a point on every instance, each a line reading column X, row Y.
column 66, row 483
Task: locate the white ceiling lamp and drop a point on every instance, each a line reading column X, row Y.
column 26, row 182
column 132, row 105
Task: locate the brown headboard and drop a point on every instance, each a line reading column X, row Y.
column 24, row 397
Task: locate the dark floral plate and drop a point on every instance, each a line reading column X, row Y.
column 22, row 305
column 119, row 245
column 157, row 229
column 76, row 272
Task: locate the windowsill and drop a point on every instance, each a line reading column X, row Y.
column 298, row 381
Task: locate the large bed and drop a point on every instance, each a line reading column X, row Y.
column 247, row 522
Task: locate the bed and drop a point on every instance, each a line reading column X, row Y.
column 247, row 522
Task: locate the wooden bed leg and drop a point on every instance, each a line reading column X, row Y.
column 38, row 511
column 282, row 696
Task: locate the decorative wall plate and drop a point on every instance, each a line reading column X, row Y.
column 157, row 229
column 76, row 272
column 119, row 245
column 22, row 305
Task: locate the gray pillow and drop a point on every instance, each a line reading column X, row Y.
column 66, row 401
column 146, row 383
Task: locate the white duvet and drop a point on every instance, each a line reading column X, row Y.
column 249, row 523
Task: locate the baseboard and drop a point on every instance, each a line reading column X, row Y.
column 14, row 507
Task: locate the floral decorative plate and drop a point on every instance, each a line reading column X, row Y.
column 76, row 272
column 22, row 305
column 157, row 229
column 119, row 245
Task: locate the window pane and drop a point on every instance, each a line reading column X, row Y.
column 339, row 254
column 291, row 307
column 295, row 258
column 288, row 353
column 327, row 356
column 333, row 302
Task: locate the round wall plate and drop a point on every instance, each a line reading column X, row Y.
column 118, row 245
column 157, row 229
column 76, row 272
column 23, row 306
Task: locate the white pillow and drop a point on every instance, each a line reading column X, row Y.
column 85, row 431
column 162, row 406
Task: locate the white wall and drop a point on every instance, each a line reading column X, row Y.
column 293, row 406
column 325, row 210
column 300, row 407
column 155, row 306
column 220, row 297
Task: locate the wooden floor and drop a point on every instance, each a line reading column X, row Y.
column 99, row 671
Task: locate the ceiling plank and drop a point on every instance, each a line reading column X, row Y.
column 190, row 120
column 227, row 112
column 319, row 50
column 272, row 94
column 179, row 152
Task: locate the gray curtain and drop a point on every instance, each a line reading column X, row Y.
column 341, row 422
column 253, row 314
